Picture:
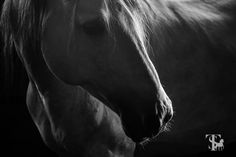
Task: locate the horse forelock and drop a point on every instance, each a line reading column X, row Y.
column 134, row 17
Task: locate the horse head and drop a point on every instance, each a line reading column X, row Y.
column 85, row 44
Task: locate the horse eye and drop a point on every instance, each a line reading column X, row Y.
column 67, row 2
column 94, row 27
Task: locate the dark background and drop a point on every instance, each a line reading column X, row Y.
column 19, row 135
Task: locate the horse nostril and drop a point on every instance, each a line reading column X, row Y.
column 165, row 113
column 167, row 117
column 94, row 27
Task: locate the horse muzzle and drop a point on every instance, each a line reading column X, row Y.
column 156, row 122
column 148, row 124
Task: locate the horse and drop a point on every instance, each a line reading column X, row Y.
column 94, row 87
column 109, row 75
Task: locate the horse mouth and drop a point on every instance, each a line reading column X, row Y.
column 146, row 128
